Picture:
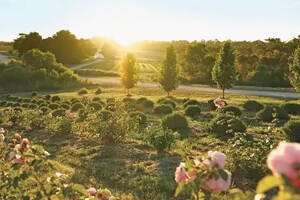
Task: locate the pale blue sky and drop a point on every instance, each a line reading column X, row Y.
column 130, row 20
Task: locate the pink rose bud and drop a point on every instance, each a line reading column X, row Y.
column 91, row 191
column 18, row 147
column 180, row 173
column 217, row 159
column 219, row 103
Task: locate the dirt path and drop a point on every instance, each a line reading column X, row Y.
column 237, row 90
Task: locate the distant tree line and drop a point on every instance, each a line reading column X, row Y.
column 64, row 45
column 258, row 63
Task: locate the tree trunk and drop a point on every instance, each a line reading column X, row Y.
column 223, row 93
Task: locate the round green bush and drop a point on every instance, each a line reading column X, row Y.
column 34, row 101
column 265, row 114
column 191, row 102
column 98, row 91
column 163, row 109
column 55, row 98
column 54, row 106
column 105, row 115
column 212, row 105
column 292, row 131
column 77, row 106
column 140, row 117
column 95, row 106
column 40, row 102
column 18, row 109
column 59, row 112
column 47, row 97
column 83, row 91
column 9, row 104
column 235, row 110
column 32, row 106
column 25, row 105
column 280, row 113
column 3, row 103
column 226, row 125
column 96, row 99
column 44, row 109
column 65, row 106
column 192, row 111
column 43, row 105
column 291, row 108
column 34, row 94
column 175, row 121
column 253, row 106
column 16, row 105
column 167, row 101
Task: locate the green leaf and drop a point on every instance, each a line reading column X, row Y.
column 267, row 183
column 178, row 189
column 79, row 188
column 223, row 174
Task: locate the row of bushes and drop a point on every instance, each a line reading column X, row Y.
column 96, row 73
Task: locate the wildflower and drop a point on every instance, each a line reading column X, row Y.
column 215, row 159
column 180, row 173
column 91, row 191
column 2, row 138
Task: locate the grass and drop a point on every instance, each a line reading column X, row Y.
column 134, row 170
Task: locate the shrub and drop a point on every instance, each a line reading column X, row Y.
column 291, row 108
column 167, row 101
column 144, row 103
column 54, row 106
column 77, row 106
column 105, row 115
column 280, row 113
column 175, row 121
column 25, row 105
column 96, row 99
column 47, row 97
column 44, row 109
column 192, row 111
column 212, row 105
column 161, row 139
column 292, row 131
column 32, row 106
column 253, row 106
column 191, row 102
column 34, row 94
column 235, row 110
column 265, row 114
column 40, row 102
column 83, row 91
column 59, row 112
column 139, row 117
column 65, row 125
column 98, row 91
column 3, row 103
column 226, row 125
column 55, row 98
column 163, row 109
column 16, row 105
column 96, row 106
column 65, row 106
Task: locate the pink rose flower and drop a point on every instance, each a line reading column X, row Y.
column 180, row 173
column 216, row 159
column 2, row 138
column 25, row 143
column 218, row 185
column 18, row 136
column 50, row 115
column 285, row 160
column 18, row 147
column 219, row 103
column 2, row 130
column 11, row 155
column 17, row 161
column 91, row 191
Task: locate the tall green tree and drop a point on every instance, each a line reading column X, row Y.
column 224, row 71
column 169, row 74
column 294, row 69
column 129, row 72
column 27, row 42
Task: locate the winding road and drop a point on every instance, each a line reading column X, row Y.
column 236, row 90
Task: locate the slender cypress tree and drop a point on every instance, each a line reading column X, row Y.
column 294, row 69
column 169, row 74
column 129, row 72
column 224, row 71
